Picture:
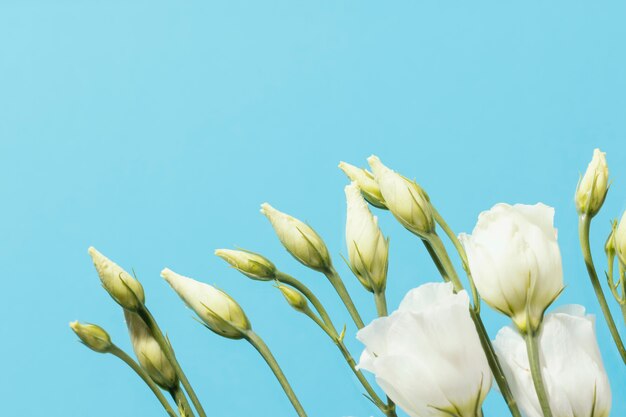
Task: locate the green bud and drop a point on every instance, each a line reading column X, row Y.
column 248, row 263
column 92, row 336
column 294, row 297
column 367, row 184
column 593, row 186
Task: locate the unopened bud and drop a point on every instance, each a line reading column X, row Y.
column 215, row 308
column 593, row 186
column 366, row 182
column 248, row 263
column 149, row 353
column 404, row 198
column 300, row 240
column 620, row 240
column 293, row 297
column 124, row 289
column 92, row 336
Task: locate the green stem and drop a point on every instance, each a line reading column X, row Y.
column 258, row 343
column 446, row 269
column 532, row 347
column 181, row 401
column 381, row 308
column 340, row 288
column 115, row 351
column 388, row 410
column 289, row 280
column 381, row 303
column 147, row 317
column 584, row 224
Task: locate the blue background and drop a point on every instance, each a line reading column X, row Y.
column 153, row 130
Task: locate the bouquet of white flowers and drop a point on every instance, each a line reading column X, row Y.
column 432, row 356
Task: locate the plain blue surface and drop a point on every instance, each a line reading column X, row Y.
column 153, row 130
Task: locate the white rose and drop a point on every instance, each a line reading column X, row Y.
column 515, row 261
column 427, row 356
column 215, row 308
column 367, row 247
column 574, row 376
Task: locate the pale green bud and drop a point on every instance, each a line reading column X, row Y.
column 368, row 249
column 366, row 182
column 92, row 336
column 149, row 353
column 293, row 297
column 620, row 240
column 405, row 199
column 215, row 308
column 124, row 289
column 300, row 240
column 248, row 263
column 593, row 186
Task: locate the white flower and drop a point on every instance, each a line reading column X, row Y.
column 302, row 242
column 427, row 356
column 619, row 240
column 149, row 353
column 249, row 263
column 574, row 376
column 593, row 186
column 515, row 261
column 367, row 247
column 215, row 308
column 366, row 182
column 404, row 198
column 124, row 289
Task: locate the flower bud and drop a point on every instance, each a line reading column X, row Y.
column 149, row 353
column 293, row 297
column 124, row 289
column 368, row 250
column 366, row 182
column 593, row 186
column 404, row 198
column 620, row 240
column 248, row 263
column 215, row 308
column 300, row 240
column 92, row 336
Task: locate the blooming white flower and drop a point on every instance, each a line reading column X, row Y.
column 573, row 373
column 593, row 186
column 404, row 198
column 215, row 308
column 366, row 182
column 427, row 356
column 249, row 263
column 125, row 290
column 302, row 242
column 149, row 353
column 619, row 240
column 515, row 261
column 368, row 249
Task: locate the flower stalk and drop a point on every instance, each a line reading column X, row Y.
column 584, row 225
column 532, row 348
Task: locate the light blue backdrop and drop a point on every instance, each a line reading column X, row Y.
column 153, row 130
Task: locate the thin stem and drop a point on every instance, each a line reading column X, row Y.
column 388, row 410
column 289, row 280
column 435, row 248
column 532, row 347
column 147, row 317
column 337, row 283
column 115, row 351
column 462, row 254
column 181, row 401
column 584, row 224
column 265, row 352
column 381, row 303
